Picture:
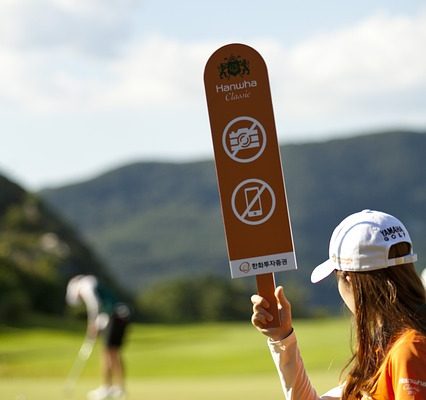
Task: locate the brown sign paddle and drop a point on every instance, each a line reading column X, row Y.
column 248, row 167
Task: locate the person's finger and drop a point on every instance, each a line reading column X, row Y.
column 281, row 299
column 259, row 301
column 258, row 320
column 261, row 318
column 284, row 307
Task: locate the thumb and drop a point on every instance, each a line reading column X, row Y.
column 284, row 308
column 282, row 301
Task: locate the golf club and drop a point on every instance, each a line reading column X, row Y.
column 78, row 365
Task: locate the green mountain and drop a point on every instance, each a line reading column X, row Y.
column 152, row 221
column 38, row 254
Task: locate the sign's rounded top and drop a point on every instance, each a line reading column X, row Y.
column 232, row 57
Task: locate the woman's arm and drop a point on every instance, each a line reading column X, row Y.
column 283, row 346
column 88, row 295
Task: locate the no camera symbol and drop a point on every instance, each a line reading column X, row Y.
column 244, row 139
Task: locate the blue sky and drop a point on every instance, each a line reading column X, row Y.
column 88, row 85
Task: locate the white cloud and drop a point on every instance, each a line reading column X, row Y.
column 95, row 27
column 158, row 71
column 55, row 53
column 378, row 59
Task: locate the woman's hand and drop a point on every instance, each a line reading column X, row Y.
column 261, row 315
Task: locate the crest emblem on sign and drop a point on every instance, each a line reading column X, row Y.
column 233, row 66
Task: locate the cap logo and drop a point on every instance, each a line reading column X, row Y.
column 393, row 232
column 341, row 260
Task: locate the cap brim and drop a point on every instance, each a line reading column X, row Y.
column 322, row 271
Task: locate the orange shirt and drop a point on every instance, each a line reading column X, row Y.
column 403, row 373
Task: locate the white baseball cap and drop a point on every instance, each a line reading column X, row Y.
column 361, row 242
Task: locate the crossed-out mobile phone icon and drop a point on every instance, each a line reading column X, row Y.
column 253, row 201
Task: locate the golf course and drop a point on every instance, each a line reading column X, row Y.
column 201, row 361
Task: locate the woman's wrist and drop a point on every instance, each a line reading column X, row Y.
column 283, row 336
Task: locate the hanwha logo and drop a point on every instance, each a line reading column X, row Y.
column 233, row 66
column 245, row 267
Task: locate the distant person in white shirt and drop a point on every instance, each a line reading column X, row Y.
column 107, row 315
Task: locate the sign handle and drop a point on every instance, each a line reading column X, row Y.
column 266, row 289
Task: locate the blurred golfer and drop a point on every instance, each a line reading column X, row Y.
column 104, row 314
column 372, row 258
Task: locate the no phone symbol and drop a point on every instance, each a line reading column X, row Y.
column 253, row 201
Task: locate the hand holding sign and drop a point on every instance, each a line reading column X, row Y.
column 248, row 167
column 261, row 316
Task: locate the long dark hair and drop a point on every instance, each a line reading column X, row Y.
column 388, row 302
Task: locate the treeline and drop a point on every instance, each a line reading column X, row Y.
column 207, row 299
column 150, row 221
column 38, row 254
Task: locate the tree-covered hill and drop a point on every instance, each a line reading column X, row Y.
column 38, row 254
column 149, row 220
column 160, row 220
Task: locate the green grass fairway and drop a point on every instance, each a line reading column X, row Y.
column 187, row 362
column 155, row 389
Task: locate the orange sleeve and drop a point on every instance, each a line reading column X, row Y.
column 407, row 368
